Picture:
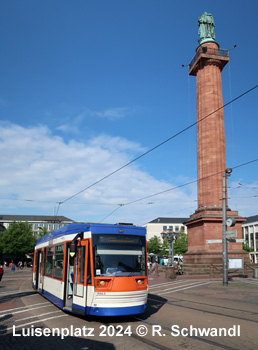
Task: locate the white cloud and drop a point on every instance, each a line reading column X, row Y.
column 73, row 124
column 114, row 113
column 37, row 165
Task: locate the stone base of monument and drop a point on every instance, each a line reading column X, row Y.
column 170, row 273
column 212, row 257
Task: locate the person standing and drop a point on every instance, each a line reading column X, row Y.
column 1, row 272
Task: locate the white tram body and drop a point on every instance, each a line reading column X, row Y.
column 93, row 269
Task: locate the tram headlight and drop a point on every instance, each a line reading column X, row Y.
column 102, row 283
column 139, row 282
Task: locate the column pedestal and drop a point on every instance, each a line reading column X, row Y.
column 206, row 225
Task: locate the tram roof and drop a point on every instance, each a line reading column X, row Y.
column 94, row 228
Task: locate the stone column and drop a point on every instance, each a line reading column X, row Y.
column 211, row 155
column 206, row 223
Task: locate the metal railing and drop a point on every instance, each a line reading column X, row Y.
column 208, row 51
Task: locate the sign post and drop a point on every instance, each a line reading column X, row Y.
column 224, row 227
column 226, row 222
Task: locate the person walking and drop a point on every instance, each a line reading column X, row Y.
column 1, row 272
column 13, row 267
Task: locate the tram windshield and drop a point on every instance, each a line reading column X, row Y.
column 119, row 255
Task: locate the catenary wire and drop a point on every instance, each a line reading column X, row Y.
column 159, row 145
column 180, row 186
column 146, row 197
column 155, row 147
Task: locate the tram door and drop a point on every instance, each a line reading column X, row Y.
column 75, row 275
column 39, row 272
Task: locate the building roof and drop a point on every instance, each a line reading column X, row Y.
column 29, row 218
column 161, row 220
column 250, row 219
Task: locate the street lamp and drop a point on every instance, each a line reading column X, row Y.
column 171, row 237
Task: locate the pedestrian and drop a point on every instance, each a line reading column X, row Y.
column 155, row 266
column 1, row 272
column 13, row 267
column 180, row 267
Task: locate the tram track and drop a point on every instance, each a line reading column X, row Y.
column 166, row 342
column 168, row 288
column 158, row 292
column 207, row 311
column 209, row 305
column 165, row 328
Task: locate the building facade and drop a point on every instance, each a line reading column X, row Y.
column 156, row 226
column 36, row 222
column 250, row 235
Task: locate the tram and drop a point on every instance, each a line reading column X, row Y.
column 93, row 269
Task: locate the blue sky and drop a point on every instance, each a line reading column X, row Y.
column 87, row 86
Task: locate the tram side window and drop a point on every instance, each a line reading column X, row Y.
column 36, row 260
column 44, row 261
column 89, row 267
column 82, row 264
column 49, row 263
column 59, row 261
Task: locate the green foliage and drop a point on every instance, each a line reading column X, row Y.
column 154, row 245
column 181, row 244
column 164, row 248
column 17, row 240
column 247, row 248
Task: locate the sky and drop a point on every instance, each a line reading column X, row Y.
column 87, row 87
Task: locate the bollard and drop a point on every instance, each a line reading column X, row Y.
column 170, row 273
column 255, row 273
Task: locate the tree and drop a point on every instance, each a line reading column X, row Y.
column 17, row 240
column 154, row 245
column 164, row 248
column 181, row 244
column 247, row 248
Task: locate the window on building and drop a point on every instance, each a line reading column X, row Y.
column 170, row 228
column 252, row 240
column 165, row 228
column 176, row 228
